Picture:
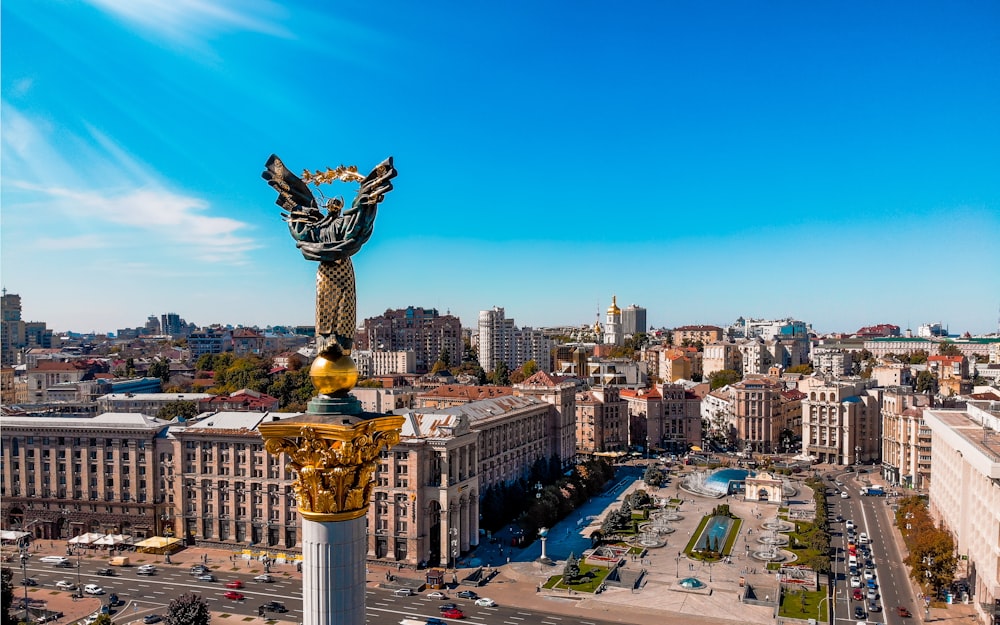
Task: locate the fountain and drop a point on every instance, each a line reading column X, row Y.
column 692, row 583
column 668, row 515
column 650, row 539
column 716, row 484
column 777, row 525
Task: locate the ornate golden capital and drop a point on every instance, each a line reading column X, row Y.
column 334, row 462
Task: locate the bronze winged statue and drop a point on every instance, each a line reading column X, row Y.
column 331, row 238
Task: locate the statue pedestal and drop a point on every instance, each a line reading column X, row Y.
column 333, row 572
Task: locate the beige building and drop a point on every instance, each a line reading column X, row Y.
column 376, row 363
column 889, row 375
column 719, row 356
column 601, row 421
column 906, row 439
column 952, row 374
column 69, row 476
column 841, row 421
column 965, row 492
column 759, row 416
column 230, row 491
column 705, row 334
column 665, row 417
column 560, row 394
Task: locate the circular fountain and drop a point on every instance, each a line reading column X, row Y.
column 716, row 484
column 777, row 525
column 669, row 515
column 770, row 554
column 650, row 539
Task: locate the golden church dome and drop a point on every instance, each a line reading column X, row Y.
column 613, row 308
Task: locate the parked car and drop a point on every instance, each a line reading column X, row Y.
column 93, row 589
column 872, row 594
column 858, row 595
column 106, row 572
column 152, row 618
column 402, row 592
column 65, row 585
column 198, row 569
column 432, row 620
column 453, row 614
column 234, row 584
column 447, row 606
column 57, row 560
column 436, row 595
column 859, row 613
column 486, row 602
column 275, row 606
column 869, row 574
column 265, row 578
column 874, row 607
column 855, row 582
column 235, row 596
column 113, row 600
column 900, row 610
column 467, row 594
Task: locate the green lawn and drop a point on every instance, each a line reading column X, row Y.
column 792, row 605
column 584, row 583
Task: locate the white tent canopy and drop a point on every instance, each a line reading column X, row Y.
column 12, row 535
column 112, row 539
column 85, row 539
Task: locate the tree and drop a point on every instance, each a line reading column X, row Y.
column 572, row 568
column 806, row 369
column 103, row 619
column 445, row 357
column 529, row 368
column 653, row 476
column 926, row 382
column 182, row 409
column 130, row 367
column 188, row 609
column 917, row 357
column 439, row 366
column 160, row 369
column 949, row 349
column 293, row 390
column 7, row 596
column 721, row 378
column 501, row 374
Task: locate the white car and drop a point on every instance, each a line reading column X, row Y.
column 844, row 495
column 863, row 539
column 855, row 582
column 436, row 595
column 266, row 578
column 486, row 602
column 93, row 589
column 869, row 574
column 849, row 525
column 65, row 585
column 54, row 560
column 146, row 569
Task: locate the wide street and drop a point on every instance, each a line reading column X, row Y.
column 870, row 515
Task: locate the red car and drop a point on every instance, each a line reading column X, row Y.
column 452, row 614
column 234, row 584
column 235, row 596
column 903, row 612
column 858, row 595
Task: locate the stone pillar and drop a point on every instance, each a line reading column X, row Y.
column 333, row 572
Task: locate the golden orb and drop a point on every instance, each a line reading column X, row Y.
column 332, row 376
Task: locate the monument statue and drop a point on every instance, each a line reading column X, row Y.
column 331, row 239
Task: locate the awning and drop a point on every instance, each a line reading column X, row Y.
column 112, row 539
column 695, row 448
column 158, row 544
column 85, row 539
column 12, row 535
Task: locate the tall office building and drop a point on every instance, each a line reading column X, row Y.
column 11, row 328
column 501, row 341
column 420, row 330
column 633, row 320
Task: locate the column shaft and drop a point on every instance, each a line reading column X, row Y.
column 333, row 572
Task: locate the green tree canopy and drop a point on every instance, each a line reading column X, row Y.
column 501, row 374
column 571, row 570
column 7, row 597
column 183, row 409
column 720, row 378
column 160, row 369
column 926, row 382
column 188, row 609
column 806, row 369
column 653, row 476
column 948, row 348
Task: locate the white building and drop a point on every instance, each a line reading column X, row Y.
column 965, row 491
column 613, row 327
column 501, row 341
column 376, row 363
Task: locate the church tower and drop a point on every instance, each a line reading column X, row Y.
column 613, row 326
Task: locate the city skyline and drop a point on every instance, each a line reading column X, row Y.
column 835, row 164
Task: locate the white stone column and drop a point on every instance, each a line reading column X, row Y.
column 333, row 572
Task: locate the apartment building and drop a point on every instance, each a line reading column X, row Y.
column 694, row 334
column 419, row 330
column 67, row 476
column 145, row 403
column 560, row 395
column 501, row 341
column 719, row 356
column 601, row 421
column 965, row 492
column 952, row 374
column 757, row 414
column 906, row 439
column 664, row 417
column 841, row 420
column 379, row 362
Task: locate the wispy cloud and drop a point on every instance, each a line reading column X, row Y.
column 189, row 21
column 41, row 186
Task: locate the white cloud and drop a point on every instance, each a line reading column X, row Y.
column 188, row 21
column 80, row 242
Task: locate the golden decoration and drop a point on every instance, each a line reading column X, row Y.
column 348, row 173
column 333, row 375
column 334, row 463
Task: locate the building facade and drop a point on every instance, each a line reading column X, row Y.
column 906, row 439
column 965, row 492
column 420, row 330
column 501, row 341
column 633, row 320
column 601, row 421
column 841, row 420
column 694, row 334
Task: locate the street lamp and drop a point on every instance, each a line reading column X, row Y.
column 677, row 566
column 79, row 588
column 453, row 532
column 24, row 577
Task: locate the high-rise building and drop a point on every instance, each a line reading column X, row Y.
column 420, row 330
column 16, row 334
column 501, row 341
column 633, row 320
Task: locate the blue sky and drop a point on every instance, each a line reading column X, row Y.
column 834, row 162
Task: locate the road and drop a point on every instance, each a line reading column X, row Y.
column 872, row 516
column 144, row 595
